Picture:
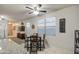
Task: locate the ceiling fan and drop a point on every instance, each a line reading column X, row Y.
column 36, row 9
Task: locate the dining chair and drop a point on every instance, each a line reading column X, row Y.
column 27, row 41
column 33, row 44
column 43, row 41
column 35, row 34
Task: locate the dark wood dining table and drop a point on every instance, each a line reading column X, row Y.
column 33, row 39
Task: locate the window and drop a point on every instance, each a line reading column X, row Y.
column 47, row 26
column 51, row 26
column 3, row 28
column 28, row 24
column 41, row 26
column 28, row 27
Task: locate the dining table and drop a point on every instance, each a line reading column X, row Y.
column 33, row 42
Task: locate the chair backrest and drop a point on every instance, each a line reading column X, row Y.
column 33, row 38
column 43, row 36
column 35, row 34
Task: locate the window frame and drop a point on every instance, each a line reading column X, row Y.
column 45, row 27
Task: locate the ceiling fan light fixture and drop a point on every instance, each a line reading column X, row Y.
column 36, row 12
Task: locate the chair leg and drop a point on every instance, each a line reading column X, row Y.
column 43, row 45
column 25, row 46
column 40, row 45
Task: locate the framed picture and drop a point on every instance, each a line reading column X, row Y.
column 62, row 22
column 33, row 26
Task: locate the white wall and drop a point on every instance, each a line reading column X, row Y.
column 64, row 40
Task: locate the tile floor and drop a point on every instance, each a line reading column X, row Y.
column 7, row 46
column 10, row 47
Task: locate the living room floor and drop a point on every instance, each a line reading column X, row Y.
column 9, row 46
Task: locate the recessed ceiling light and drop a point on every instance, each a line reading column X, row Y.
column 0, row 48
column 3, row 17
column 0, row 19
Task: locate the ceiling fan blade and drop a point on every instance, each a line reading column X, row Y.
column 30, row 12
column 43, row 11
column 29, row 8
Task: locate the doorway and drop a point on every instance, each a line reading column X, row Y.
column 12, row 29
column 3, row 28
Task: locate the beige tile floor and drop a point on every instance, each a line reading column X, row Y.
column 7, row 46
column 10, row 47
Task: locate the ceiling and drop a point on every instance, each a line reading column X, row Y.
column 19, row 12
